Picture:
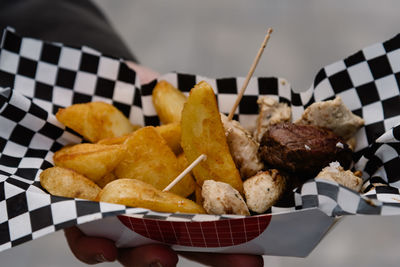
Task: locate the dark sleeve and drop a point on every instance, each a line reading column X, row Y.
column 72, row 22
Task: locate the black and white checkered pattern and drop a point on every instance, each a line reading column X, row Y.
column 368, row 83
column 38, row 77
column 53, row 75
column 29, row 136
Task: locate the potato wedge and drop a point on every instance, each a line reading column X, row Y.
column 171, row 132
column 150, row 159
column 136, row 193
column 68, row 183
column 203, row 133
column 95, row 121
column 199, row 197
column 168, row 102
column 119, row 140
column 91, row 160
column 186, row 186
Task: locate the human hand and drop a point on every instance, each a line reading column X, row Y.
column 92, row 250
column 145, row 74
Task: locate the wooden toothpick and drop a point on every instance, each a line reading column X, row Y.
column 186, row 171
column 251, row 71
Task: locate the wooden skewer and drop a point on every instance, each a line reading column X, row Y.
column 186, row 171
column 251, row 71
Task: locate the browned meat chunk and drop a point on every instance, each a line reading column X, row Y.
column 303, row 149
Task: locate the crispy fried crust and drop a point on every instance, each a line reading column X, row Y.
column 95, row 120
column 168, row 102
column 91, row 160
column 136, row 193
column 151, row 160
column 203, row 133
column 68, row 183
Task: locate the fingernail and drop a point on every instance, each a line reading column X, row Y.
column 155, row 264
column 100, row 258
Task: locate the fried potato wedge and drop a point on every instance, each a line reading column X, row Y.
column 150, row 159
column 171, row 132
column 168, row 102
column 119, row 140
column 95, row 120
column 68, row 183
column 136, row 193
column 91, row 160
column 186, row 186
column 198, row 195
column 203, row 133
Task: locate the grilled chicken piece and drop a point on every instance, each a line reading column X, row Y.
column 263, row 190
column 335, row 172
column 221, row 198
column 270, row 112
column 334, row 115
column 243, row 148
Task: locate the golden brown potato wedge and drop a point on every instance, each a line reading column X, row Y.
column 68, row 183
column 199, row 197
column 136, row 193
column 184, row 187
column 168, row 102
column 171, row 132
column 91, row 160
column 119, row 140
column 203, row 133
column 150, row 159
column 95, row 120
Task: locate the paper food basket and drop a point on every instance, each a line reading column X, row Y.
column 37, row 78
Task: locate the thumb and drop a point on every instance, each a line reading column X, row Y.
column 145, row 74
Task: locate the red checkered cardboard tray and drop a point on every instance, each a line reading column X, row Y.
column 37, row 78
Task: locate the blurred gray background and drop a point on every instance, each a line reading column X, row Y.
column 220, row 39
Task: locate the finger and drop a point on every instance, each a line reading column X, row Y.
column 231, row 260
column 148, row 255
column 90, row 250
column 145, row 74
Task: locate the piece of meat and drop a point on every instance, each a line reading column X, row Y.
column 335, row 172
column 270, row 112
column 243, row 148
column 334, row 115
column 263, row 190
column 221, row 198
column 303, row 149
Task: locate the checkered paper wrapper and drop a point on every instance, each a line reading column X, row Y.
column 37, row 78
